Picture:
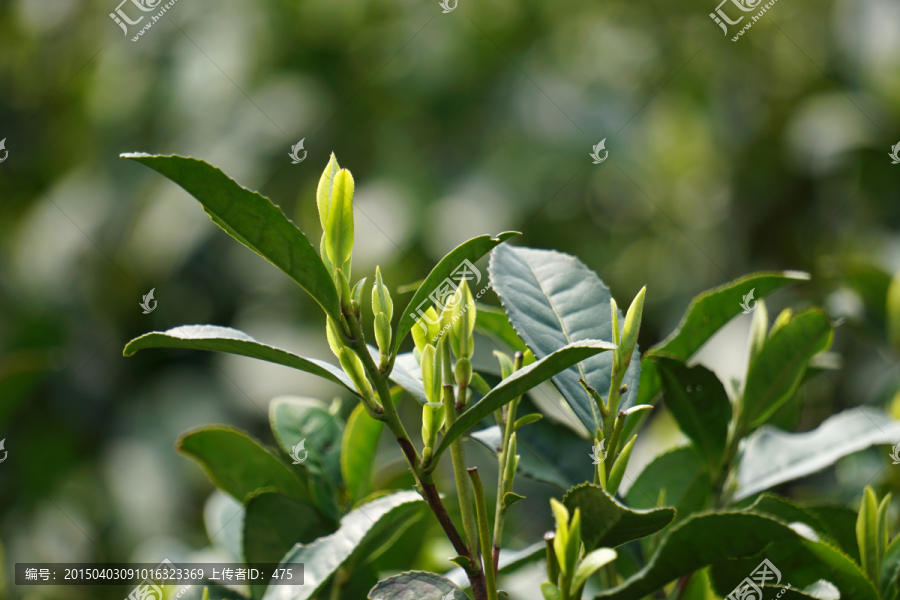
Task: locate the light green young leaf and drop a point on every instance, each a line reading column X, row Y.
column 618, row 468
column 339, row 227
column 591, row 563
column 252, row 220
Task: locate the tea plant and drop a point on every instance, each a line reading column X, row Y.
column 693, row 523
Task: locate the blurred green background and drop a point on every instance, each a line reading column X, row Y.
column 724, row 158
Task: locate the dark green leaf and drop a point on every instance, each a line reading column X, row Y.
column 552, row 300
column 890, row 567
column 707, row 313
column 800, row 454
column 679, row 472
column 840, row 522
column 294, row 420
column 470, row 250
column 697, row 400
column 698, row 541
column 778, row 368
column 377, row 521
column 273, row 523
column 607, row 523
column 520, row 382
column 358, row 452
column 239, row 465
column 791, row 513
column 252, row 220
column 416, row 585
column 224, row 339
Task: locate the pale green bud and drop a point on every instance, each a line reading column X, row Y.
column 383, row 333
column 431, row 373
column 425, row 329
column 323, row 193
column 339, row 226
column 631, row 329
column 759, row 329
column 334, row 337
column 781, row 320
column 463, row 371
column 507, row 367
column 463, row 322
column 512, row 461
column 346, row 295
column 353, row 367
column 381, row 297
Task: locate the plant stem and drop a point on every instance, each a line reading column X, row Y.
column 504, row 486
column 425, row 480
column 483, row 529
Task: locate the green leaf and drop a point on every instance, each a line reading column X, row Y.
column 892, row 312
column 471, row 250
column 607, row 523
column 252, row 220
column 890, row 567
column 679, row 472
column 866, row 534
column 722, row 537
column 840, row 523
column 492, row 321
column 551, row 592
column 273, row 523
column 510, row 498
column 358, row 452
column 552, row 300
column 803, row 563
column 800, row 454
column 520, row 382
column 779, row 367
column 707, row 313
column 378, row 520
column 213, row 338
column 294, row 419
column 416, row 585
column 239, row 465
column 590, row 563
column 697, row 400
